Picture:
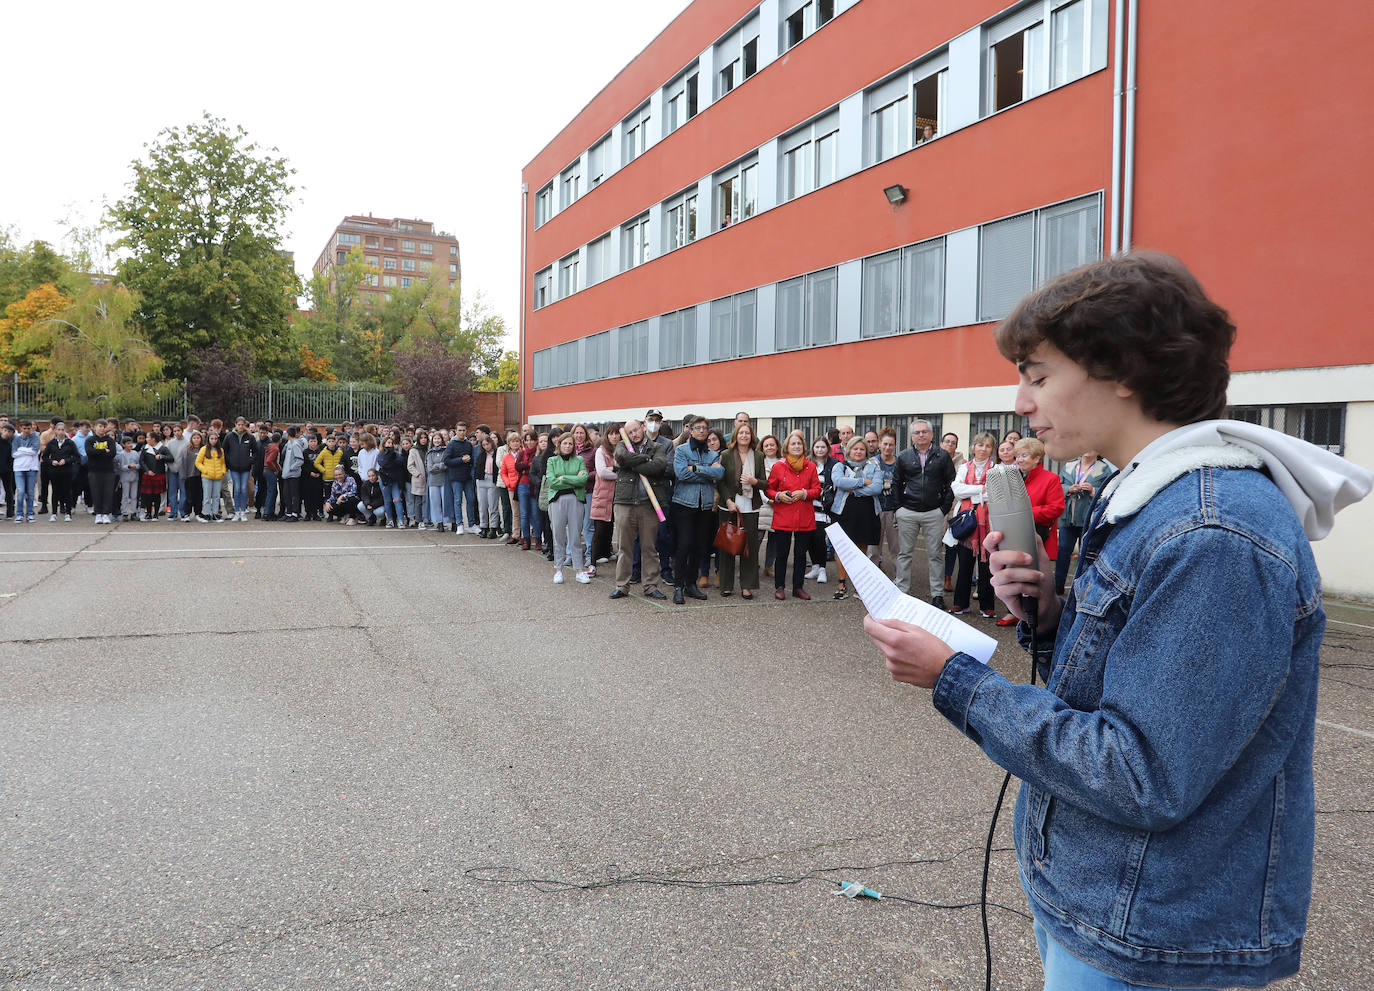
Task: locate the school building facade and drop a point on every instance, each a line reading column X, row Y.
column 817, row 210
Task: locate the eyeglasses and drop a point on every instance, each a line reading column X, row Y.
column 698, row 426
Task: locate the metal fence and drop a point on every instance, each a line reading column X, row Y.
column 284, row 402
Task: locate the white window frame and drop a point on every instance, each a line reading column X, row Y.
column 1060, row 54
column 789, row 10
column 635, row 249
column 600, row 264
column 677, row 99
column 543, row 206
column 731, row 53
column 805, row 288
column 806, row 141
column 350, row 240
column 389, row 264
column 634, row 135
column 728, row 320
column 677, row 338
column 733, row 187
column 900, row 316
column 542, row 287
column 426, row 247
column 570, row 185
column 1029, row 22
column 597, row 162
column 407, row 264
column 891, row 104
column 596, row 357
column 1039, row 269
column 682, row 220
column 632, row 349
column 569, row 274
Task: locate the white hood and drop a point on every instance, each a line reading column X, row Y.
column 1319, row 484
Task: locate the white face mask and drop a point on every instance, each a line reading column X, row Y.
column 652, row 427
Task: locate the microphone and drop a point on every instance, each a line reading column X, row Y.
column 1009, row 510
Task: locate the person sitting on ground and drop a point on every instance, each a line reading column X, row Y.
column 372, row 499
column 343, row 499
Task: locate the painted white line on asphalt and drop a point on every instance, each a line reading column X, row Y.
column 1361, row 626
column 392, row 548
column 1346, row 729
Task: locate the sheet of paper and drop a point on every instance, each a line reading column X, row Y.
column 884, row 601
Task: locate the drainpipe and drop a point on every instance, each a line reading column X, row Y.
column 524, row 267
column 1128, row 182
column 1118, row 72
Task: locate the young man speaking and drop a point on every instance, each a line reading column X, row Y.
column 1164, row 827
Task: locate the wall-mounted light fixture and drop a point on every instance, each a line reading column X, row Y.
column 895, row 194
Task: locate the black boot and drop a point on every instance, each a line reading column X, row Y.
column 677, row 596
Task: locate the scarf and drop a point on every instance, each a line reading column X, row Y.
column 796, row 463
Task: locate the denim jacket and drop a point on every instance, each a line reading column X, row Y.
column 697, row 473
column 868, row 481
column 1165, row 823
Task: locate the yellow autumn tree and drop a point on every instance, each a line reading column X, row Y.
column 100, row 363
column 27, row 332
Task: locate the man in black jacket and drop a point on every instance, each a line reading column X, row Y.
column 7, row 467
column 240, row 451
column 923, row 480
column 634, row 513
column 458, row 458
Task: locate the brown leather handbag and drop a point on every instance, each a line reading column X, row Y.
column 730, row 537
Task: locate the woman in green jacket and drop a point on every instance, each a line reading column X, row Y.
column 566, row 475
column 741, row 488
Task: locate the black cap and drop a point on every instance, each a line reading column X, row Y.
column 653, row 413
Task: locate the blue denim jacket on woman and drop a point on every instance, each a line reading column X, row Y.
column 865, row 481
column 1164, row 827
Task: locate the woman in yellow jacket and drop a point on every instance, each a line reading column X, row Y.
column 210, row 464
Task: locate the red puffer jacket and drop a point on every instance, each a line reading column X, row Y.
column 793, row 516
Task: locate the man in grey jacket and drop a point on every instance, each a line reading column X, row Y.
column 641, row 463
column 292, row 462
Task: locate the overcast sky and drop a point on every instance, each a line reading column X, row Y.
column 425, row 109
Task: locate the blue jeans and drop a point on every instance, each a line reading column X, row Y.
column 464, row 502
column 269, row 484
column 1065, row 972
column 239, row 479
column 440, row 508
column 529, row 512
column 394, row 499
column 173, row 494
column 25, row 483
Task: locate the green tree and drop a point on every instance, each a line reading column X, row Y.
column 337, row 314
column 100, row 365
column 506, row 377
column 24, row 269
column 202, row 227
column 28, row 330
column 483, row 335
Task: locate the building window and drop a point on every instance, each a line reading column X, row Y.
column 810, row 157
column 453, row 251
column 405, row 226
column 737, row 193
column 677, row 338
column 632, row 349
column 372, row 260
column 348, row 240
column 635, row 135
column 570, row 185
column 596, row 356
column 737, row 55
column 904, row 290
column 388, row 244
column 341, row 257
column 407, row 264
column 899, row 424
column 389, row 264
column 634, row 243
column 426, row 266
column 906, row 110
column 543, row 205
column 452, row 268
column 371, row 241
column 807, row 310
column 928, row 105
column 794, row 25
column 405, row 282
column 734, row 326
column 596, row 161
column 568, row 282
column 1016, row 59
column 372, row 280
column 813, row 428
column 681, row 228
column 565, row 363
column 825, row 12
column 426, row 248
column 540, row 370
column 1070, row 51
column 1322, row 425
column 599, row 264
column 389, row 281
column 408, row 246
column 1019, row 253
column 680, row 101
column 541, row 287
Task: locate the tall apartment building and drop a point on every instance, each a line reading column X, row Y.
column 404, row 252
column 816, row 210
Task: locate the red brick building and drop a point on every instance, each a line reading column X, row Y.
column 403, row 251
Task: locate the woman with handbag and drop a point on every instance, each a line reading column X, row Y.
column 740, row 493
column 970, row 488
column 856, row 480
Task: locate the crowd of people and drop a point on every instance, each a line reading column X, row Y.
column 628, row 495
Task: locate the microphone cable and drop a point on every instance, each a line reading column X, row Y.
column 1031, row 606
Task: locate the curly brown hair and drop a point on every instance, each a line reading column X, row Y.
column 1141, row 319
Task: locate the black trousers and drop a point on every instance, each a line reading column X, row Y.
column 259, row 491
column 194, row 495
column 102, row 491
column 61, row 492
column 312, row 493
column 964, row 581
column 291, row 496
column 694, row 530
column 789, row 541
column 7, row 483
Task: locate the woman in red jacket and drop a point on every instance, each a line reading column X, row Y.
column 792, row 484
column 1046, row 499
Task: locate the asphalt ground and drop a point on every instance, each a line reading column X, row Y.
column 307, row 756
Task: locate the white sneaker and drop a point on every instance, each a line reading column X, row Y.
column 812, row 572
column 558, row 577
column 68, row 519
column 820, row 577
column 583, row 577
column 474, row 529
column 52, row 518
column 422, row 527
column 91, row 510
